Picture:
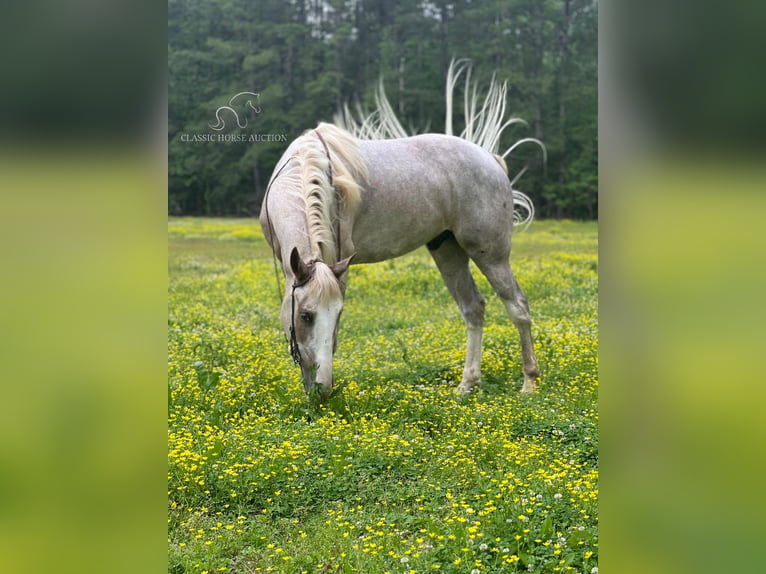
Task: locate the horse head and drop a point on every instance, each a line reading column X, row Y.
column 310, row 315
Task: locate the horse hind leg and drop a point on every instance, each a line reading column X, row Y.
column 452, row 262
column 498, row 272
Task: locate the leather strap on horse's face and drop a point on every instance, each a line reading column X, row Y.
column 327, row 151
column 265, row 206
column 295, row 351
column 337, row 195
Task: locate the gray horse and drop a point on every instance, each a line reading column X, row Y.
column 334, row 200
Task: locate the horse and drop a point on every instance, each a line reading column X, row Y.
column 334, row 200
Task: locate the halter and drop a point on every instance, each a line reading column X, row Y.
column 337, row 195
column 295, row 352
column 294, row 349
column 271, row 227
column 327, row 151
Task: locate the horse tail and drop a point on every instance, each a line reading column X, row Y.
column 499, row 159
column 523, row 208
column 484, row 125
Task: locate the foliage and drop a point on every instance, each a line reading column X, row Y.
column 307, row 58
column 397, row 473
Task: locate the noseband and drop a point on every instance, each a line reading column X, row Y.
column 294, row 350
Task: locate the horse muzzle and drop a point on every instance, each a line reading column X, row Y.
column 315, row 380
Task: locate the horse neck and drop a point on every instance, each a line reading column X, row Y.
column 308, row 217
column 291, row 229
column 287, row 218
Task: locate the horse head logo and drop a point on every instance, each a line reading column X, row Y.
column 241, row 120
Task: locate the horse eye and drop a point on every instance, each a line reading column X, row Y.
column 307, row 317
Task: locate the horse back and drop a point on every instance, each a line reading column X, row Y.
column 421, row 186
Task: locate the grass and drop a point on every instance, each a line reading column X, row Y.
column 396, row 474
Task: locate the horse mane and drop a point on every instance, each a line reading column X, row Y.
column 329, row 202
column 323, row 285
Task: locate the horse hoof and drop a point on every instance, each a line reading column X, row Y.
column 464, row 389
column 528, row 387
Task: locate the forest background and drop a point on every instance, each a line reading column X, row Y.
column 307, row 58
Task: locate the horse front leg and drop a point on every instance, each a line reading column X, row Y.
column 472, row 369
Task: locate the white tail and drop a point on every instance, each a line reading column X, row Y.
column 484, row 126
column 378, row 125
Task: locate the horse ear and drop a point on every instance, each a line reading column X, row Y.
column 300, row 270
column 341, row 267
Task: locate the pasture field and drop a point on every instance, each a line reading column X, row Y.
column 396, row 474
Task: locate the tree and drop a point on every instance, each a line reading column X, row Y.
column 307, row 57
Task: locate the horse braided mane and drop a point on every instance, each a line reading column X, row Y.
column 329, row 202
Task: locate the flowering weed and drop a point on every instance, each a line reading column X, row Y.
column 396, row 473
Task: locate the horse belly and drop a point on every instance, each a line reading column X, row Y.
column 388, row 236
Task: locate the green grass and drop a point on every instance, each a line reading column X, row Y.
column 397, row 473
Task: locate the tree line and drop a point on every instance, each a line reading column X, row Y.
column 305, row 59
